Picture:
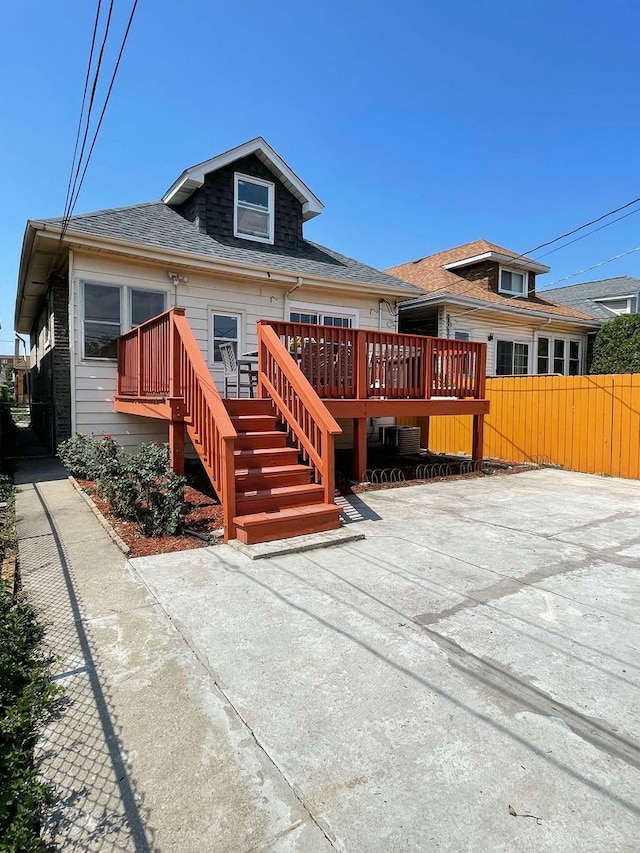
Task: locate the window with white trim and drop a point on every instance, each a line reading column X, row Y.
column 328, row 317
column 512, row 358
column 225, row 329
column 111, row 309
column 512, row 282
column 559, row 355
column 253, row 209
column 461, row 336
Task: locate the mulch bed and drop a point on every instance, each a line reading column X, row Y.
column 203, row 516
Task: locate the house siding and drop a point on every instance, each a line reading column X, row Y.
column 481, row 325
column 96, row 380
column 210, row 207
column 50, row 374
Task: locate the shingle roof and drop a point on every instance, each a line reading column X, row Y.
column 156, row 224
column 429, row 274
column 583, row 296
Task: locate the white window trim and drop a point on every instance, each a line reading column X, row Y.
column 221, row 312
column 525, row 282
column 510, row 340
column 551, row 337
column 320, row 309
column 238, row 176
column 125, row 311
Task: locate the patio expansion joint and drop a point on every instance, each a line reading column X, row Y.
column 215, row 677
column 497, row 679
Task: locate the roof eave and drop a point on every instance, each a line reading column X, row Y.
column 480, row 304
column 506, row 260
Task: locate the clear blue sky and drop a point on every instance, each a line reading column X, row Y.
column 420, row 125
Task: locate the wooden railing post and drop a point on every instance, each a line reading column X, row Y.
column 228, row 496
column 361, row 365
column 481, row 373
column 140, row 362
column 428, row 369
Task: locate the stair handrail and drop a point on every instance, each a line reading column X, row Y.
column 309, row 421
column 208, row 422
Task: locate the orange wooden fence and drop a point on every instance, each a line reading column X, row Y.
column 582, row 423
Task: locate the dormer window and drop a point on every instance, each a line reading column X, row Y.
column 253, row 209
column 512, row 282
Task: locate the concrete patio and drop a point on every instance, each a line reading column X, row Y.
column 464, row 679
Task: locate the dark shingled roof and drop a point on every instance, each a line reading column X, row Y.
column 584, row 296
column 156, row 224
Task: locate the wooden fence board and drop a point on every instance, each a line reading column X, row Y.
column 582, row 423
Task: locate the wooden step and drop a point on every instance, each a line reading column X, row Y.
column 254, row 423
column 247, row 406
column 280, row 497
column 272, row 477
column 268, row 438
column 281, row 524
column 265, row 457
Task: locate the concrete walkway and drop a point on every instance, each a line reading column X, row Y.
column 467, row 678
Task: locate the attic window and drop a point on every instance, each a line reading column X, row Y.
column 253, row 209
column 512, row 282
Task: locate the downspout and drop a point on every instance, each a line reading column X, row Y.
column 296, row 286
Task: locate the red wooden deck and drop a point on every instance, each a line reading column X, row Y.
column 307, row 376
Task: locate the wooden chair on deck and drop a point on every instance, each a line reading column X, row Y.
column 238, row 373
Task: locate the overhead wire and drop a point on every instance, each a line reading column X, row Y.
column 84, row 99
column 96, row 76
column 77, row 178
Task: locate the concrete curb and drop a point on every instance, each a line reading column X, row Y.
column 103, row 521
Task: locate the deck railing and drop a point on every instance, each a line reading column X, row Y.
column 162, row 359
column 362, row 364
column 310, row 425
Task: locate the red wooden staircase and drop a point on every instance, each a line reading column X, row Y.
column 275, row 497
column 272, row 483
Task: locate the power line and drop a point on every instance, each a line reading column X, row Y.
column 106, row 102
column 71, row 202
column 76, row 186
column 583, row 236
column 84, row 98
column 588, row 269
column 580, row 227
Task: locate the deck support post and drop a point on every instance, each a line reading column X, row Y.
column 477, row 448
column 176, row 446
column 423, row 423
column 359, row 448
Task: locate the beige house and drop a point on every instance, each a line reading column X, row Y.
column 482, row 292
column 225, row 242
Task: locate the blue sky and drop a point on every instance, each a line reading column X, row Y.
column 419, row 125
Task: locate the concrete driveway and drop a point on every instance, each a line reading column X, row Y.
column 464, row 679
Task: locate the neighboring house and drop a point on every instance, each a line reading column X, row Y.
column 483, row 292
column 226, row 242
column 603, row 299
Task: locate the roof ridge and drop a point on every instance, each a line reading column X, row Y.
column 594, row 281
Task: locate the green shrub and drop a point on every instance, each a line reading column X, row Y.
column 616, row 348
column 27, row 700
column 90, row 456
column 138, row 487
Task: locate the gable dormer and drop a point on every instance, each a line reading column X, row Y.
column 499, row 272
column 248, row 196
